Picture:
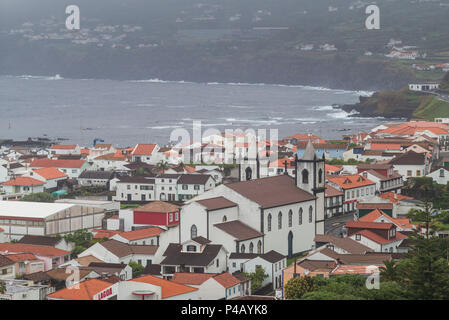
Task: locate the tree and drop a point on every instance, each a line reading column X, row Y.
column 425, row 273
column 39, row 197
column 298, row 286
column 80, row 238
column 137, row 268
column 388, row 272
column 2, row 287
column 257, row 278
column 162, row 166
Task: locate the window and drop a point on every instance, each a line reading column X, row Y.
column 259, row 247
column 409, row 173
column 191, row 248
column 358, row 237
column 251, row 248
column 305, row 176
column 171, row 217
column 128, row 187
column 234, row 265
column 418, row 173
column 196, row 187
column 320, row 176
column 218, row 263
column 242, row 249
column 193, row 232
column 185, row 187
column 224, row 219
column 442, row 173
column 310, row 214
column 177, row 216
column 348, row 195
column 269, row 222
column 300, row 216
column 280, row 221
column 290, row 218
column 353, row 194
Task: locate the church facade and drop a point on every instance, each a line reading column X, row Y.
column 257, row 215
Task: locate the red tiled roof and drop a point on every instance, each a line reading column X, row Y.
column 368, row 225
column 45, row 251
column 143, row 149
column 350, row 181
column 50, row 173
column 18, row 257
column 332, row 168
column 385, row 146
column 87, row 290
column 168, row 288
column 63, row 146
column 374, row 215
column 192, row 278
column 23, row 181
column 227, row 280
column 378, row 239
column 381, row 206
column 100, row 234
column 332, row 192
column 280, row 163
column 142, row 233
column 354, row 269
column 47, row 163
column 111, row 157
column 393, row 197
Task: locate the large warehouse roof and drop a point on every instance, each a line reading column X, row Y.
column 23, row 209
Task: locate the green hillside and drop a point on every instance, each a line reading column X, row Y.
column 432, row 108
column 401, row 104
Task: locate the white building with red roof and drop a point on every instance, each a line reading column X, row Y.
column 65, row 149
column 379, row 236
column 355, row 187
column 147, row 153
column 50, row 176
column 72, row 168
column 23, row 185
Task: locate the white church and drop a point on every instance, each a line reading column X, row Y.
column 257, row 215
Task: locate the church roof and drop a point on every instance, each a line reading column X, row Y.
column 309, row 154
column 271, row 192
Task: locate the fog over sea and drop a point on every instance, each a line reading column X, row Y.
column 144, row 111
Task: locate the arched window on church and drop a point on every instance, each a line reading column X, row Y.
column 249, row 173
column 290, row 218
column 251, row 247
column 320, row 176
column 305, row 176
column 242, row 249
column 269, row 222
column 280, row 220
column 310, row 214
column 224, row 219
column 259, row 247
column 300, row 216
column 193, row 231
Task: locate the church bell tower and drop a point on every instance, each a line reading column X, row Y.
column 310, row 176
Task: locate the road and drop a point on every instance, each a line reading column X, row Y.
column 334, row 225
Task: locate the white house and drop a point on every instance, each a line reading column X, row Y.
column 147, row 153
column 272, row 262
column 113, row 251
column 440, row 176
column 411, row 164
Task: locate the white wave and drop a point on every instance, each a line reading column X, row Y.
column 163, row 127
column 323, row 108
column 29, row 77
column 156, row 80
column 342, row 114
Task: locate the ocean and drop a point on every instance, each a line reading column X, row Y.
column 146, row 111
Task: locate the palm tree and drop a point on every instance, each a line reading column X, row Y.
column 162, row 166
column 389, row 271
